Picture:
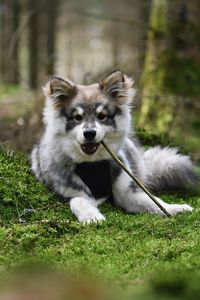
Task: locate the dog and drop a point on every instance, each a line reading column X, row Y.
column 71, row 161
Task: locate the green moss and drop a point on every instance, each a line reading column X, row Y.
column 123, row 249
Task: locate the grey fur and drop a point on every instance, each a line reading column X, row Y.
column 168, row 169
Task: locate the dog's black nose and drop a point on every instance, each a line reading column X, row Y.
column 89, row 134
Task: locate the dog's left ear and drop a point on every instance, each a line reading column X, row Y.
column 118, row 86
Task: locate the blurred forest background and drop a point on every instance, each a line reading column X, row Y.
column 157, row 42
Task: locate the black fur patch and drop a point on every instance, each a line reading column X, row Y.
column 70, row 122
column 133, row 186
column 115, row 170
column 97, row 176
column 132, row 163
column 63, row 112
column 110, row 121
column 74, row 185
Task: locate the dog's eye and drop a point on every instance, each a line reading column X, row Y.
column 101, row 116
column 78, row 118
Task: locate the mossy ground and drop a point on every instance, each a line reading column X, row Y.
column 125, row 249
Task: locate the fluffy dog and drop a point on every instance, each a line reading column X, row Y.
column 71, row 161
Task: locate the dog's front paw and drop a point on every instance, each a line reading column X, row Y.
column 91, row 216
column 178, row 208
column 85, row 212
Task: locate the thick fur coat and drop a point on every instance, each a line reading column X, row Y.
column 71, row 161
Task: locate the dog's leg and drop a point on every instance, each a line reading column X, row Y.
column 82, row 203
column 67, row 185
column 138, row 202
column 128, row 196
column 86, row 210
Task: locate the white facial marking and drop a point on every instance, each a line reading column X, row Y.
column 100, row 108
column 80, row 110
column 79, row 133
column 100, row 132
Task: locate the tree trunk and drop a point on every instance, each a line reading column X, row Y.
column 3, row 42
column 172, row 67
column 9, row 60
column 14, row 43
column 51, row 23
column 33, row 43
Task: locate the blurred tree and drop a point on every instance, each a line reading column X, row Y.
column 2, row 38
column 172, row 63
column 33, row 48
column 42, row 31
column 51, row 22
column 9, row 61
column 14, row 43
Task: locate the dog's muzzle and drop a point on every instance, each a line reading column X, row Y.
column 90, row 147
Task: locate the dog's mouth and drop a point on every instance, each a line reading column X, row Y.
column 90, row 148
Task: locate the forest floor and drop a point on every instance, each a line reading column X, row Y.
column 125, row 250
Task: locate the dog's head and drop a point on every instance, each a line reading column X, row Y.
column 81, row 116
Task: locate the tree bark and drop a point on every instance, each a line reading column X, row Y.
column 172, row 65
column 9, row 59
column 14, row 43
column 51, row 30
column 3, row 42
column 33, row 43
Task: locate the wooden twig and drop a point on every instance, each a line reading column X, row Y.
column 139, row 183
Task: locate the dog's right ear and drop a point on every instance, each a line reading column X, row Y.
column 59, row 90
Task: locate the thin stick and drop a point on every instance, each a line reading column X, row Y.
column 135, row 179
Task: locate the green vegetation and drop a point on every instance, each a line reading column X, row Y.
column 17, row 101
column 183, row 78
column 125, row 249
column 9, row 89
